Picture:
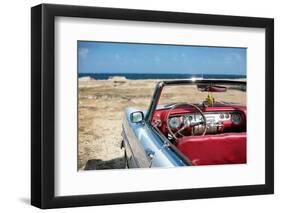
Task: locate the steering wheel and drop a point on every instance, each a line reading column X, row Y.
column 188, row 124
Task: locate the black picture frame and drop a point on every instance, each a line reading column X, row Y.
column 43, row 102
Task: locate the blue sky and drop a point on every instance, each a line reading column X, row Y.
column 108, row 57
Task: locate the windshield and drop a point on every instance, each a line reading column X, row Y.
column 171, row 94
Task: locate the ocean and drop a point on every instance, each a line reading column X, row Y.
column 139, row 76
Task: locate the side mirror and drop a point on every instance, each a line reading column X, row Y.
column 137, row 117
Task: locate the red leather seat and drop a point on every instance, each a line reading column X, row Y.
column 229, row 148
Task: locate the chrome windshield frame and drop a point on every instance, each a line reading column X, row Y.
column 161, row 84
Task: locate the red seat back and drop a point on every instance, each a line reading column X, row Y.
column 229, row 148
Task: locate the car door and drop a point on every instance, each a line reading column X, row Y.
column 137, row 150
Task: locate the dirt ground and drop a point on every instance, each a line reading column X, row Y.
column 101, row 109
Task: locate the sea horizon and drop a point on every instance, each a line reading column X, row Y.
column 139, row 76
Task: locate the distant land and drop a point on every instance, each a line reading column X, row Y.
column 139, row 76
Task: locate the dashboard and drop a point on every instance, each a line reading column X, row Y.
column 218, row 121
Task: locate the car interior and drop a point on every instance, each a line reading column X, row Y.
column 207, row 133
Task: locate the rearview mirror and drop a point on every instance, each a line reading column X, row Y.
column 211, row 88
column 137, row 117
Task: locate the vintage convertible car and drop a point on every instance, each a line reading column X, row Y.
column 183, row 133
